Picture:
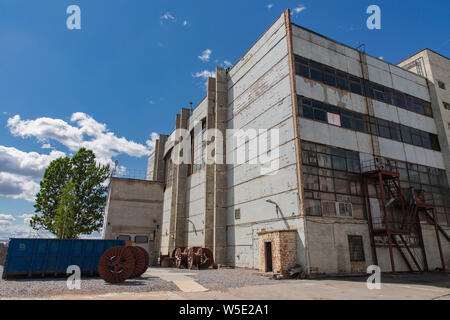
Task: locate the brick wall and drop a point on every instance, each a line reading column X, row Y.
column 284, row 250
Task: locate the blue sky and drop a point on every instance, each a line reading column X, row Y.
column 134, row 64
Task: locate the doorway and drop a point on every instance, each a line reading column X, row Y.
column 268, row 255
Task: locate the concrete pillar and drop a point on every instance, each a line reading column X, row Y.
column 158, row 172
column 209, row 167
column 369, row 102
column 220, row 169
column 181, row 186
column 175, row 155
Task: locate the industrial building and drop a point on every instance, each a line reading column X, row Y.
column 346, row 123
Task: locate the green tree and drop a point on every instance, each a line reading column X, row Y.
column 66, row 212
column 74, row 188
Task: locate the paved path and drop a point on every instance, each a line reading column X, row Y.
column 181, row 280
column 286, row 290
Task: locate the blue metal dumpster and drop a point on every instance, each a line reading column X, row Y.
column 27, row 257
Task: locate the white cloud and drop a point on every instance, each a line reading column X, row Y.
column 270, row 5
column 167, row 17
column 7, row 217
column 31, row 164
column 298, row 9
column 21, row 230
column 206, row 55
column 151, row 102
column 26, row 218
column 151, row 143
column 227, row 64
column 205, row 74
column 17, row 187
column 185, row 23
column 87, row 133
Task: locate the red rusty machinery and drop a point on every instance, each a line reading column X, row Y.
column 180, row 255
column 120, row 263
column 193, row 257
column 141, row 261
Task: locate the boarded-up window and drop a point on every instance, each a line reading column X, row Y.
column 356, row 247
column 334, row 119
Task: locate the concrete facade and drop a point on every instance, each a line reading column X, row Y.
column 315, row 192
column 436, row 68
column 134, row 211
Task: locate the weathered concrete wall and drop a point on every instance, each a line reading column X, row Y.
column 259, row 97
column 435, row 68
column 165, row 236
column 135, row 208
column 328, row 243
column 327, row 238
column 3, row 252
column 431, row 247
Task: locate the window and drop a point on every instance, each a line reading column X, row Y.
column 339, row 163
column 141, row 239
column 446, row 105
column 345, row 209
column 168, row 167
column 335, row 78
column 356, row 249
column 342, row 117
column 123, row 237
column 237, row 214
column 441, row 85
column 313, row 207
column 329, row 208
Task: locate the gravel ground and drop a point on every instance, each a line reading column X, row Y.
column 221, row 279
column 42, row 287
column 212, row 279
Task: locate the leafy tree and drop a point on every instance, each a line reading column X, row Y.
column 66, row 212
column 74, row 189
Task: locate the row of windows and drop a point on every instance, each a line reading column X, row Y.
column 332, row 181
column 329, row 182
column 319, row 111
column 333, row 77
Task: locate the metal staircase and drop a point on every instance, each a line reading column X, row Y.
column 398, row 222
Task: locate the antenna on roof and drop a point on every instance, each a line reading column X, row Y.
column 190, row 103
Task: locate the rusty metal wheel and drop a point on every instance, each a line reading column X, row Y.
column 116, row 264
column 205, row 257
column 139, row 262
column 180, row 257
column 190, row 258
column 174, row 250
column 147, row 257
